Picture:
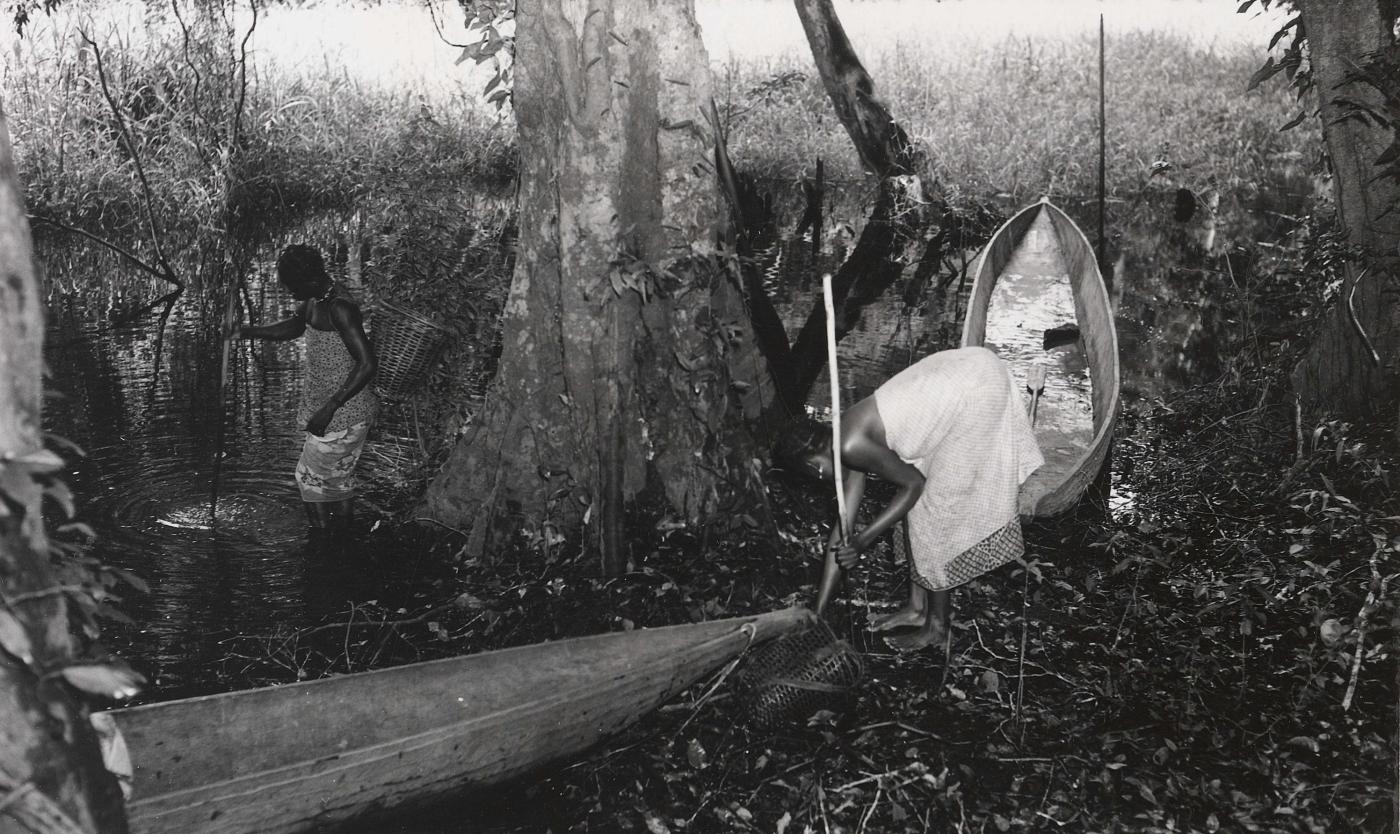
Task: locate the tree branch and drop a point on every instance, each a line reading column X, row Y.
column 168, row 273
column 882, row 144
column 125, row 253
column 242, row 82
column 432, row 12
column 197, row 110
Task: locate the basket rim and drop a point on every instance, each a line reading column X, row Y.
column 414, row 315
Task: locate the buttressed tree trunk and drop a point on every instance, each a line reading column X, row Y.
column 1340, row 372
column 51, row 774
column 626, row 346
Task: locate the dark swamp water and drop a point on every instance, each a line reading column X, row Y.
column 135, row 382
column 137, row 387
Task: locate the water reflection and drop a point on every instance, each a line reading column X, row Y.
column 137, row 386
column 1180, row 290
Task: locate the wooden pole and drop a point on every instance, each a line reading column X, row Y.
column 230, row 316
column 835, row 406
column 1103, row 129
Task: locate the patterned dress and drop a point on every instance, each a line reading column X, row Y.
column 957, row 417
column 326, row 469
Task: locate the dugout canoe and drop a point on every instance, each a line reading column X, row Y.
column 309, row 756
column 1044, row 234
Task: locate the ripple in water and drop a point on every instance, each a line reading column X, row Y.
column 172, row 502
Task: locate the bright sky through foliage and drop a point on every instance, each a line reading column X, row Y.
column 396, row 45
column 747, row 29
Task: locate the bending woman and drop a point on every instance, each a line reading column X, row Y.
column 950, row 433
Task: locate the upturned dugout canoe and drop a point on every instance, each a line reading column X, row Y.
column 310, row 755
column 1036, row 261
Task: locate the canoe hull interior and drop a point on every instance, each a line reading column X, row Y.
column 1037, row 260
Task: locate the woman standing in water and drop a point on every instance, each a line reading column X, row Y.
column 337, row 404
column 950, row 433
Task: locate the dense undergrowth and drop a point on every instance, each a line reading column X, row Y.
column 1209, row 646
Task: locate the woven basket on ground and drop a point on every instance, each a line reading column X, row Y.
column 799, row 673
column 406, row 345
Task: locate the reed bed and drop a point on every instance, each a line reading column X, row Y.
column 218, row 139
column 1004, row 98
column 1019, row 116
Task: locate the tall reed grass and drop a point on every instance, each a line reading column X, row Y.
column 1004, row 95
column 313, row 135
column 1018, row 117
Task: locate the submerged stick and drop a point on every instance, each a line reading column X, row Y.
column 835, row 406
column 230, row 314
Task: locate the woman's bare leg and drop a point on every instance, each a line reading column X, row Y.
column 318, row 514
column 911, row 615
column 342, row 514
column 935, row 627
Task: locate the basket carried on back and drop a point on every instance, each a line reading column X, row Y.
column 406, row 345
column 799, row 673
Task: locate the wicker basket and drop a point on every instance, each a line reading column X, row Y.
column 799, row 673
column 406, row 345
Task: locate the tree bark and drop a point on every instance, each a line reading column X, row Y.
column 51, row 773
column 881, row 142
column 628, row 365
column 1340, row 372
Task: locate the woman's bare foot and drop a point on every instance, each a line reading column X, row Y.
column 906, row 617
column 932, row 633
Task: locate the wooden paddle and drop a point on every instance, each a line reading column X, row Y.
column 1035, row 383
column 230, row 318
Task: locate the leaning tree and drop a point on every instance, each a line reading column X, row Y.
column 628, row 367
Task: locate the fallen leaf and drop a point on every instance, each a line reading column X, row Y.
column 15, row 639
column 114, row 682
column 695, row 754
column 1331, row 631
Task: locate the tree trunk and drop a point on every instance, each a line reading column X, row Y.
column 51, row 773
column 902, row 210
column 628, row 364
column 880, row 141
column 1340, row 372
